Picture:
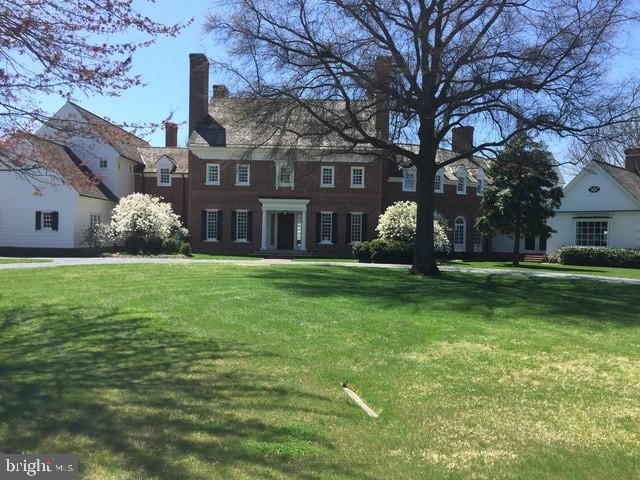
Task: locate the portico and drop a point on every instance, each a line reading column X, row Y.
column 284, row 224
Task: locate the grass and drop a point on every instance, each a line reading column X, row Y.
column 210, row 256
column 233, row 372
column 323, row 259
column 24, row 260
column 552, row 267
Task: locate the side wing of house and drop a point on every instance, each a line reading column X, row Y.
column 597, row 210
column 30, row 220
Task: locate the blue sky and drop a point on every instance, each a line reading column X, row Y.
column 165, row 70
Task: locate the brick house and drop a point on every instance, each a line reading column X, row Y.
column 248, row 194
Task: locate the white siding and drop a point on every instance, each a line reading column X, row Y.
column 84, row 208
column 624, row 229
column 18, row 206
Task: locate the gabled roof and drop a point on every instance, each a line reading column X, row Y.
column 125, row 143
column 70, row 167
column 178, row 156
column 234, row 121
column 626, row 178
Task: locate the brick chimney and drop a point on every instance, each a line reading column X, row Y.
column 380, row 93
column 170, row 135
column 632, row 159
column 220, row 91
column 198, row 89
column 462, row 139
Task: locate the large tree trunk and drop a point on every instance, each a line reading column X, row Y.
column 516, row 248
column 424, row 260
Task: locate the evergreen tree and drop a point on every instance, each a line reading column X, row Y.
column 523, row 192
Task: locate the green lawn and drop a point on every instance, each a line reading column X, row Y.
column 552, row 267
column 23, row 260
column 210, row 256
column 205, row 372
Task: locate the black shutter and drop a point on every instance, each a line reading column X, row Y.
column 234, row 216
column 249, row 226
column 334, row 229
column 38, row 220
column 54, row 221
column 364, row 227
column 348, row 230
column 203, row 225
column 219, row 225
column 318, row 226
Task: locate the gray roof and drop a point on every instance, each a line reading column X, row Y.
column 628, row 179
column 178, row 156
column 236, row 121
column 125, row 143
column 72, row 169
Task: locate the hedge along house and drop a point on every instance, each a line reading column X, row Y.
column 600, row 207
column 252, row 190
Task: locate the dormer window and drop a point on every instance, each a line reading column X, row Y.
column 437, row 183
column 480, row 187
column 461, row 187
column 164, row 177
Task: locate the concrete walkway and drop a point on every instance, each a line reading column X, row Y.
column 66, row 262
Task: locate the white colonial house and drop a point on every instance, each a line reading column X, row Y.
column 600, row 208
column 90, row 164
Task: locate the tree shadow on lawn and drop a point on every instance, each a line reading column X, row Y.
column 140, row 399
column 556, row 301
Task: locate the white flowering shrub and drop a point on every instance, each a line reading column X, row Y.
column 398, row 222
column 98, row 235
column 143, row 221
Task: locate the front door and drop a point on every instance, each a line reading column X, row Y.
column 285, row 231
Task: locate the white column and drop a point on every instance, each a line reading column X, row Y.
column 263, row 246
column 303, row 241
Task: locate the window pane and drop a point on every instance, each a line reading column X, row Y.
column 47, row 220
column 327, row 176
column 459, row 232
column 437, row 184
column 462, row 185
column 213, row 173
column 243, row 174
column 165, row 176
column 212, row 225
column 592, row 233
column 409, row 181
column 357, row 176
column 356, row 227
column 326, row 227
column 241, row 225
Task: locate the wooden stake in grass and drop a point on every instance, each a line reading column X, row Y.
column 356, row 398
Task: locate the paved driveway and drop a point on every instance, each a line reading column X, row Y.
column 65, row 262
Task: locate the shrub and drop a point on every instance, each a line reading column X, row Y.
column 605, row 257
column 185, row 249
column 170, row 245
column 398, row 222
column 144, row 223
column 380, row 250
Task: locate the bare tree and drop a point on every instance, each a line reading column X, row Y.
column 507, row 66
column 54, row 47
column 606, row 145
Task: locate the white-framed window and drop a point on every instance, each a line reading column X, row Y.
column 480, row 187
column 47, row 220
column 592, row 233
column 356, row 227
column 164, row 177
column 242, row 226
column 103, row 163
column 357, row 177
column 409, row 179
column 327, row 177
column 284, row 175
column 437, row 183
column 213, row 174
column 326, row 227
column 477, row 240
column 243, row 177
column 459, row 235
column 211, row 226
column 94, row 219
column 461, row 187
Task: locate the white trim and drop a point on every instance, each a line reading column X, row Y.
column 241, row 240
column 333, row 176
column 441, row 189
column 248, row 182
column 267, row 154
column 326, row 242
column 159, row 177
column 352, row 185
column 291, row 182
column 216, row 239
column 464, row 182
column 206, row 174
column 284, row 204
column 460, row 247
